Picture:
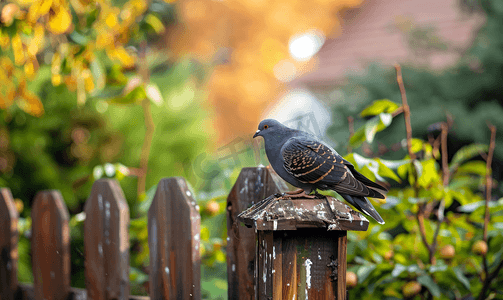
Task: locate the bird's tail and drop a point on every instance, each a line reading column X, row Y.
column 363, row 204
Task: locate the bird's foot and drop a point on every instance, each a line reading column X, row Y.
column 299, row 193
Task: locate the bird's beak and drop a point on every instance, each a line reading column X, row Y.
column 256, row 134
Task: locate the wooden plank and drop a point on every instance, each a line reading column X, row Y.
column 342, row 245
column 106, row 242
column 289, row 253
column 309, row 266
column 50, row 246
column 252, row 185
column 277, row 266
column 9, row 236
column 174, row 226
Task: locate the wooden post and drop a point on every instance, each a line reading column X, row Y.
column 174, row 226
column 8, row 245
column 50, row 246
column 301, row 246
column 106, row 242
column 252, row 184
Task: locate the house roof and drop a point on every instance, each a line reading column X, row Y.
column 432, row 33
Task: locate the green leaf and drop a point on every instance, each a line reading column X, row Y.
column 99, row 75
column 466, row 153
column 134, row 96
column 473, row 167
column 154, row 23
column 416, row 145
column 387, row 172
column 364, row 271
column 358, row 137
column 428, row 282
column 379, row 106
column 461, row 277
column 371, row 129
column 399, row 268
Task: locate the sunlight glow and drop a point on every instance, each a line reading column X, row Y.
column 302, row 47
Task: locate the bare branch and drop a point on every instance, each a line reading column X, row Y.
column 489, row 183
column 406, row 110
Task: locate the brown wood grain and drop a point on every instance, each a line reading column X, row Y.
column 8, row 245
column 301, row 264
column 50, row 246
column 106, row 242
column 174, row 226
column 252, row 185
column 342, row 245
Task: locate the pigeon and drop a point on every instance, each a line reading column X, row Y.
column 308, row 163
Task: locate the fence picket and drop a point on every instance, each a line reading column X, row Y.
column 174, row 227
column 252, row 185
column 106, row 242
column 50, row 246
column 8, row 245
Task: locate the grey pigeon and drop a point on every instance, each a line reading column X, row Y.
column 304, row 161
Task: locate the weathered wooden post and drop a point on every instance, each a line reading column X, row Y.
column 106, row 242
column 174, row 226
column 301, row 246
column 252, row 184
column 9, row 236
column 50, row 246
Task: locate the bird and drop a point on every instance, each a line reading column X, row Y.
column 310, row 164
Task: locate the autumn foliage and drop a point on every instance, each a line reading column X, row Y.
column 248, row 44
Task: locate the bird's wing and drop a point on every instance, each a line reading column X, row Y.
column 313, row 162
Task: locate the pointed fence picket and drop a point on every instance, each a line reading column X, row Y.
column 174, row 243
column 174, row 226
column 50, row 246
column 8, row 245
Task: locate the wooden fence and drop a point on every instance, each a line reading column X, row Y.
column 174, row 241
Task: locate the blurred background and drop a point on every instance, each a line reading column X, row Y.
column 139, row 90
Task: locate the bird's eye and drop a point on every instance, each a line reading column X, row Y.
column 266, row 126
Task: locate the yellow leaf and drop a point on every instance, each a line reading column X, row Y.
column 4, row 41
column 88, row 80
column 38, row 9
column 111, row 20
column 56, row 79
column 60, row 21
column 17, row 48
column 29, row 102
column 37, row 42
column 45, row 6
column 121, row 54
column 29, row 69
column 104, row 39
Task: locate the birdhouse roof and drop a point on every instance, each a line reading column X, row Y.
column 282, row 213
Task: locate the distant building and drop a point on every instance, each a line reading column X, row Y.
column 428, row 33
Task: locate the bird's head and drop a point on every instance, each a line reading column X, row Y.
column 267, row 127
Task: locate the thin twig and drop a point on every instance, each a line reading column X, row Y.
column 149, row 123
column 445, row 181
column 408, row 129
column 489, row 184
column 406, row 110
column 445, row 166
column 489, row 181
column 397, row 112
